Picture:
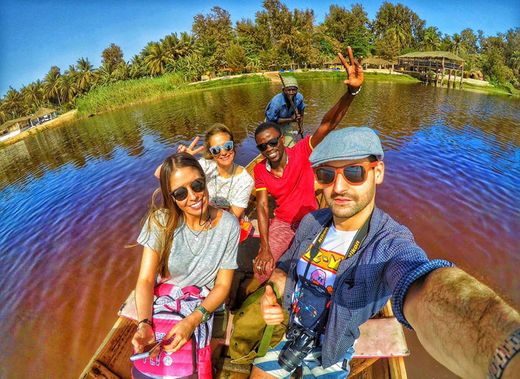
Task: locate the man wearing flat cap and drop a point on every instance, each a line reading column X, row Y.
column 286, row 108
column 347, row 260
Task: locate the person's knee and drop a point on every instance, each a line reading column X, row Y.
column 257, row 373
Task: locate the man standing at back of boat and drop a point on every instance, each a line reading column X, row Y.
column 287, row 176
column 286, row 109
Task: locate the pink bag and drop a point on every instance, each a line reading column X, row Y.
column 193, row 360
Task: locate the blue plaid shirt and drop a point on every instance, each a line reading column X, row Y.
column 387, row 263
column 278, row 107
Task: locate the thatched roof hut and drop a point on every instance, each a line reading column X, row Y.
column 376, row 61
column 420, row 61
column 16, row 124
column 432, row 55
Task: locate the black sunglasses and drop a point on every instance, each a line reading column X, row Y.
column 181, row 193
column 272, row 142
column 354, row 174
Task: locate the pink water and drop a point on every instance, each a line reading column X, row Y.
column 72, row 198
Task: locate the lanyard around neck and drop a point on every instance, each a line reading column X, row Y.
column 356, row 243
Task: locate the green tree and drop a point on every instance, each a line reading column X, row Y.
column 155, row 58
column 51, row 86
column 236, row 58
column 396, row 28
column 13, row 104
column 32, row 95
column 214, row 35
column 137, row 67
column 431, row 39
column 349, row 28
column 468, row 43
column 85, row 75
column 111, row 57
column 67, row 87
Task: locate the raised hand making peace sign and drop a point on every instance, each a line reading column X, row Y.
column 354, row 71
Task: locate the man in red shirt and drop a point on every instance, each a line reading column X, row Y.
column 287, row 176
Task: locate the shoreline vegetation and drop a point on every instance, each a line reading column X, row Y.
column 129, row 93
column 276, row 38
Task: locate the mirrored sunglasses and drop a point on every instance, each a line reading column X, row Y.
column 181, row 193
column 227, row 146
column 272, row 142
column 354, row 174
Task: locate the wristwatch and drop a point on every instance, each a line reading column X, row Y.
column 205, row 314
column 504, row 354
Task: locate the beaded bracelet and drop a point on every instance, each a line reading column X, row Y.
column 145, row 321
column 355, row 93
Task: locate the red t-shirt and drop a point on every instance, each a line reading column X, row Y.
column 294, row 191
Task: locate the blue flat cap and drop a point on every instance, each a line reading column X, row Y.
column 347, row 144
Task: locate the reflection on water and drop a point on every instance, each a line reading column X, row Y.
column 72, row 197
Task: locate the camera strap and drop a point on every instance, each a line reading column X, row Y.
column 313, row 298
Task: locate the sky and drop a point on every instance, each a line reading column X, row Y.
column 37, row 34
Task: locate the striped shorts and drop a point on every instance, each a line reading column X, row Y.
column 311, row 364
column 281, row 235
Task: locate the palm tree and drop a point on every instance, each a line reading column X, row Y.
column 456, row 43
column 67, row 87
column 137, row 67
column 187, row 45
column 13, row 104
column 51, row 86
column 122, row 71
column 155, row 58
column 85, row 74
column 33, row 95
column 431, row 39
column 170, row 46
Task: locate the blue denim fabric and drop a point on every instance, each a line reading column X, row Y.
column 279, row 108
column 387, row 263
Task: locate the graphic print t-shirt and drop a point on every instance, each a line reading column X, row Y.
column 324, row 266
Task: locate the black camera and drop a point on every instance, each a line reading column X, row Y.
column 300, row 343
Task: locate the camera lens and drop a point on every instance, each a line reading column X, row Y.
column 296, row 348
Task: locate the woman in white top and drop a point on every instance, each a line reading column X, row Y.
column 229, row 184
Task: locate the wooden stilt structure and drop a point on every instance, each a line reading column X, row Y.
column 431, row 66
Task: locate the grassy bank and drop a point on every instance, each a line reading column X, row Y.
column 492, row 90
column 132, row 92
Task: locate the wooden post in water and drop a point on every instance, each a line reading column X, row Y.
column 436, row 77
column 461, row 75
column 454, row 79
column 449, row 77
column 442, row 77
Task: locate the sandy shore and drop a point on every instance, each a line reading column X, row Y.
column 58, row 121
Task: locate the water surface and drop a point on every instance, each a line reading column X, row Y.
column 71, row 198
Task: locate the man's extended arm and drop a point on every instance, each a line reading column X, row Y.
column 335, row 114
column 460, row 321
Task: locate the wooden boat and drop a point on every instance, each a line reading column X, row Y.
column 380, row 350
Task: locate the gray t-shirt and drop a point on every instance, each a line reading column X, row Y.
column 196, row 257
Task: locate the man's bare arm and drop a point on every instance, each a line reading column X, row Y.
column 460, row 321
column 335, row 114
